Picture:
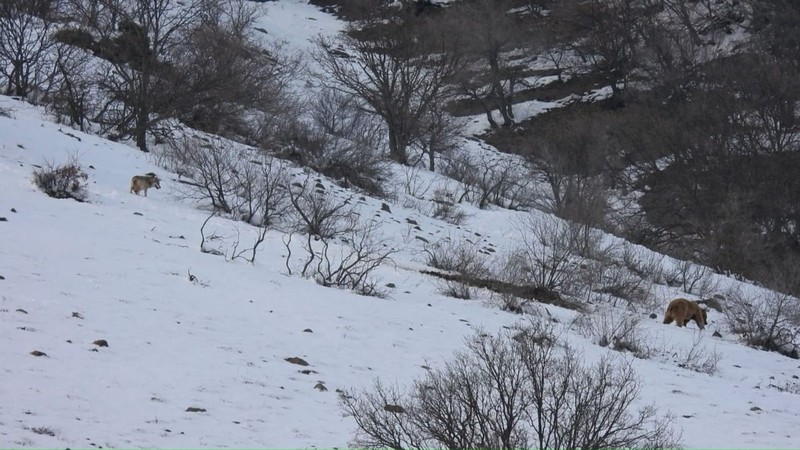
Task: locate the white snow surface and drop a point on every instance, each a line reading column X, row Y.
column 117, row 268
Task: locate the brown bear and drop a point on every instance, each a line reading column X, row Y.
column 682, row 311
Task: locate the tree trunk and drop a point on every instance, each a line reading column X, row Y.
column 498, row 93
column 397, row 147
column 15, row 81
column 140, row 130
column 142, row 112
column 492, row 122
column 617, row 98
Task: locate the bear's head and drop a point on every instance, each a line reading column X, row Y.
column 705, row 315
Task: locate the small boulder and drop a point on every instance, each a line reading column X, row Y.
column 296, row 360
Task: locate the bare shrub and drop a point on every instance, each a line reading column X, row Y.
column 250, row 186
column 230, row 80
column 318, row 213
column 508, row 301
column 606, row 279
column 692, row 278
column 344, row 143
column 567, row 157
column 699, row 358
column 490, row 179
column 792, row 387
column 211, row 164
column 413, row 184
column 510, row 391
column 445, row 209
column 463, row 168
column 614, row 328
column 62, row 181
column 618, row 280
column 262, row 190
column 770, row 322
column 248, row 253
column 547, row 255
column 462, row 257
column 648, row 266
column 209, row 238
column 456, row 289
column 347, row 262
column 576, row 197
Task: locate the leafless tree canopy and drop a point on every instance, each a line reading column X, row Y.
column 494, row 37
column 25, row 43
column 400, row 75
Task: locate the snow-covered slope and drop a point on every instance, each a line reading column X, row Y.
column 117, row 268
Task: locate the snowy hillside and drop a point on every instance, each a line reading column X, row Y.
column 197, row 346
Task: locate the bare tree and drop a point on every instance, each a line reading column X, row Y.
column 612, row 39
column 201, row 62
column 228, row 79
column 438, row 132
column 399, row 74
column 700, row 18
column 136, row 43
column 25, row 40
column 68, row 92
column 692, row 278
column 568, row 155
column 491, row 31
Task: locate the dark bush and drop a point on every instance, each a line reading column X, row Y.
column 64, row 181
